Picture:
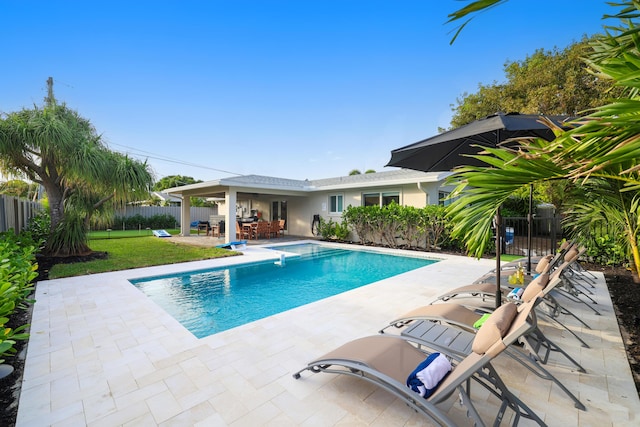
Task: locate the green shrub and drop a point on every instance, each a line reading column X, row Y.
column 329, row 230
column 17, row 272
column 606, row 249
column 39, row 227
column 394, row 225
column 326, row 229
column 136, row 222
column 342, row 231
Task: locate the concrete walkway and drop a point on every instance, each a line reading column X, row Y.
column 102, row 354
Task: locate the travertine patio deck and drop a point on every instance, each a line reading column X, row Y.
column 102, row 354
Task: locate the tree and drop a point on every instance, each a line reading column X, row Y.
column 18, row 188
column 171, row 181
column 547, row 82
column 55, row 147
column 602, row 204
column 354, row 172
column 602, row 146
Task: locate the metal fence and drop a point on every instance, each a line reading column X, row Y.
column 15, row 213
column 546, row 233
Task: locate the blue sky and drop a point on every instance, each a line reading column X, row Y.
column 289, row 88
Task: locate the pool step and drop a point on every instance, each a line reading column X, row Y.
column 324, row 253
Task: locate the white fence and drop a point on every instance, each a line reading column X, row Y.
column 197, row 213
column 15, row 213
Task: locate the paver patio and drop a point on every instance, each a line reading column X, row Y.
column 102, row 354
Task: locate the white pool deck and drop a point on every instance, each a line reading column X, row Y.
column 102, row 354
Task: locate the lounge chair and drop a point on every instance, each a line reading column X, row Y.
column 537, row 346
column 485, row 287
column 552, row 259
column 388, row 360
column 485, row 290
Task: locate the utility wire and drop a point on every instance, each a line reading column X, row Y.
column 169, row 160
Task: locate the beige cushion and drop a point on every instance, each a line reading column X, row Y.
column 571, row 253
column 494, row 328
column 542, row 265
column 535, row 287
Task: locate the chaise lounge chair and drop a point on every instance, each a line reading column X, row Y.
column 551, row 307
column 388, row 360
column 554, row 259
column 537, row 347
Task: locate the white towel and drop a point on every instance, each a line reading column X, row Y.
column 435, row 372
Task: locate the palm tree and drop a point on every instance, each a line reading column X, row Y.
column 602, row 204
column 55, row 147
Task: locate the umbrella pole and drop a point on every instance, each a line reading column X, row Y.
column 529, row 228
column 498, row 221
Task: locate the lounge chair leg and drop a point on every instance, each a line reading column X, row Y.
column 533, row 366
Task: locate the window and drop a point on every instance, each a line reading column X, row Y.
column 371, row 199
column 380, row 199
column 443, row 198
column 387, row 198
column 336, row 203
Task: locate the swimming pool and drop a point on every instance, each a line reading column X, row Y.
column 210, row 301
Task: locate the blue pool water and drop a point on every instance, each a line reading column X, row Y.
column 210, row 301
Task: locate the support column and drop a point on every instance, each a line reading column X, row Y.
column 185, row 216
column 230, row 198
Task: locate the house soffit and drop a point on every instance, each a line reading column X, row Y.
column 258, row 184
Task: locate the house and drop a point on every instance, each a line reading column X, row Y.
column 297, row 201
column 166, row 199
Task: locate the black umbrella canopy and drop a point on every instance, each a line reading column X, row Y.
column 447, row 150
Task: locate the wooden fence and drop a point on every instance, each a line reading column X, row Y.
column 15, row 213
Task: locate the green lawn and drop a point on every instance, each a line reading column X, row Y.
column 509, row 258
column 136, row 252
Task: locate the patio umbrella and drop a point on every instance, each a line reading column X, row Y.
column 447, row 150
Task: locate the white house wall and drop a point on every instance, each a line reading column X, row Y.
column 300, row 212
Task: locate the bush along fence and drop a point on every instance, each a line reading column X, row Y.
column 393, row 226
column 196, row 213
column 18, row 269
column 139, row 222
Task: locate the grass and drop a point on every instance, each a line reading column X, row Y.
column 509, row 258
column 136, row 252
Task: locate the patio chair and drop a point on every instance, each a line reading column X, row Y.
column 261, row 230
column 388, row 360
column 274, row 228
column 537, row 347
column 242, row 233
